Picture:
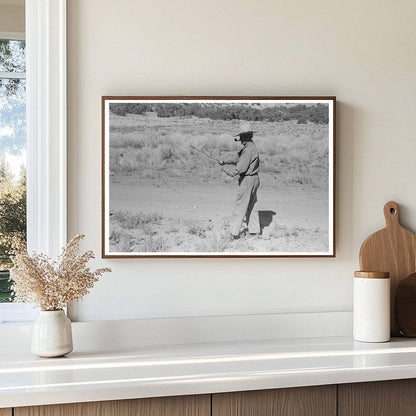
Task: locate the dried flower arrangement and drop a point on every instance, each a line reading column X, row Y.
column 53, row 285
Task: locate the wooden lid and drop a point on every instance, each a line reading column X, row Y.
column 372, row 275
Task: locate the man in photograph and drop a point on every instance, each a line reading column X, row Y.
column 247, row 168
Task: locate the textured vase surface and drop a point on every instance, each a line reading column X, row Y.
column 52, row 334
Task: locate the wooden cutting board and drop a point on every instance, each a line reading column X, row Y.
column 393, row 250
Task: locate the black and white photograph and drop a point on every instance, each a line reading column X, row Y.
column 218, row 176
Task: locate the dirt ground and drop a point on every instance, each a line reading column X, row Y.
column 194, row 217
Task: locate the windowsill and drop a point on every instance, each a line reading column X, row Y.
column 16, row 313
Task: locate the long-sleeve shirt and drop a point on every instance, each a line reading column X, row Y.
column 248, row 162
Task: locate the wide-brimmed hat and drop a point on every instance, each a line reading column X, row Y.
column 246, row 132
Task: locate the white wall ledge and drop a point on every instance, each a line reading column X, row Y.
column 190, row 330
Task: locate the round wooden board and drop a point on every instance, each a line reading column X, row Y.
column 393, row 250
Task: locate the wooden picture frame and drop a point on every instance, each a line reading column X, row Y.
column 165, row 189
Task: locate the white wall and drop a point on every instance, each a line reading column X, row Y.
column 361, row 51
column 12, row 18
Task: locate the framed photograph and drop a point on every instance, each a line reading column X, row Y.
column 218, row 177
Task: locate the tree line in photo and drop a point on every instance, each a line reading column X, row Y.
column 317, row 113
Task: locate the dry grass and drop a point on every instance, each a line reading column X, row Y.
column 160, row 149
column 128, row 220
column 198, row 229
column 153, row 245
column 169, row 235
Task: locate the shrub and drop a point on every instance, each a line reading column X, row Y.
column 154, row 244
column 131, row 139
column 197, row 229
column 122, row 109
column 129, row 221
column 165, row 152
column 215, row 244
column 317, row 113
column 125, row 244
column 118, row 109
column 115, row 236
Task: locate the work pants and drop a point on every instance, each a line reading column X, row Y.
column 245, row 206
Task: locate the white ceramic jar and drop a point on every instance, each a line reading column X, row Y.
column 52, row 334
column 371, row 313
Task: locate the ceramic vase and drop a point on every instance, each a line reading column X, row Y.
column 52, row 334
column 371, row 302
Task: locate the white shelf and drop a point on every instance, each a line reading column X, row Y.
column 151, row 371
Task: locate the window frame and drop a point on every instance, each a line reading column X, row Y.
column 46, row 137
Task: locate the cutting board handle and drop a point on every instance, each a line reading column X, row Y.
column 391, row 213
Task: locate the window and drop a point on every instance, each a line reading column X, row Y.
column 12, row 153
column 45, row 90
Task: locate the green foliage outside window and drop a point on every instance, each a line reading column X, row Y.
column 12, row 144
column 12, row 223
